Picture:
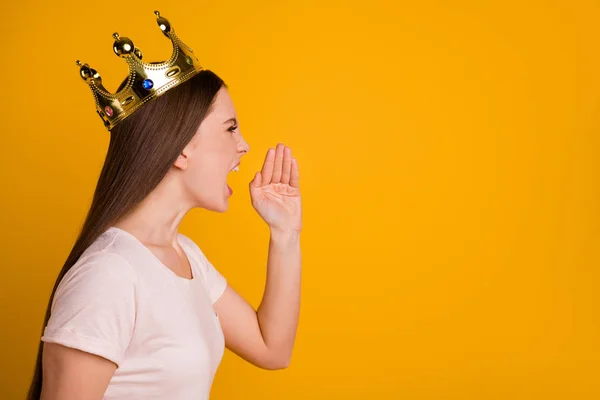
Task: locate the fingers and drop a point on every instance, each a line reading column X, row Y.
column 287, row 165
column 267, row 169
column 294, row 174
column 278, row 165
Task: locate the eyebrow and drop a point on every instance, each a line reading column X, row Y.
column 230, row 120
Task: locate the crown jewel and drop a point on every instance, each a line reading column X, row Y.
column 146, row 80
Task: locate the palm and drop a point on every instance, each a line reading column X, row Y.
column 275, row 190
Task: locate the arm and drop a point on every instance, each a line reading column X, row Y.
column 266, row 337
column 70, row 374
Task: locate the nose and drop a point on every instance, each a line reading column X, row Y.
column 243, row 146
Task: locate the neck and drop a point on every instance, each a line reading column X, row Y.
column 155, row 221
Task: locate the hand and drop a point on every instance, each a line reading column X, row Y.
column 275, row 191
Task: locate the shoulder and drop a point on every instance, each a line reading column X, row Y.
column 107, row 255
column 106, row 263
column 105, row 268
column 99, row 269
column 95, row 304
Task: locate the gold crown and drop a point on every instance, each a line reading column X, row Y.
column 146, row 81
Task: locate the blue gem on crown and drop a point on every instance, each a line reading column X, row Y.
column 148, row 84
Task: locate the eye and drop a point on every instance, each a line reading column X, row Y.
column 233, row 128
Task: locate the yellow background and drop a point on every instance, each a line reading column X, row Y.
column 449, row 161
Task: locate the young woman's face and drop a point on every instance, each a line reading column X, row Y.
column 214, row 151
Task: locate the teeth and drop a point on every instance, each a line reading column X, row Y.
column 237, row 168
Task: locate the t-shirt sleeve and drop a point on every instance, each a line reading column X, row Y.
column 215, row 282
column 93, row 309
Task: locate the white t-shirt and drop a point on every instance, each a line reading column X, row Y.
column 121, row 302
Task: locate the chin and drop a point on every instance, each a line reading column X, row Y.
column 217, row 202
column 217, row 206
column 223, row 208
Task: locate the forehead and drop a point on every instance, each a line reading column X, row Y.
column 222, row 108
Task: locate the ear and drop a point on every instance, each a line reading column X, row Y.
column 182, row 161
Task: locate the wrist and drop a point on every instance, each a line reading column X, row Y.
column 284, row 235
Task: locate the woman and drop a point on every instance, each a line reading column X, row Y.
column 138, row 312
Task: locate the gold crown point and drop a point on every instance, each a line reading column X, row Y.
column 84, row 71
column 164, row 25
column 123, row 47
column 87, row 73
column 146, row 81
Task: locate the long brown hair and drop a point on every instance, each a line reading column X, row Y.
column 142, row 149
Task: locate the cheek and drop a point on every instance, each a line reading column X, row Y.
column 204, row 172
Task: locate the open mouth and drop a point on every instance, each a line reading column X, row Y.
column 236, row 168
